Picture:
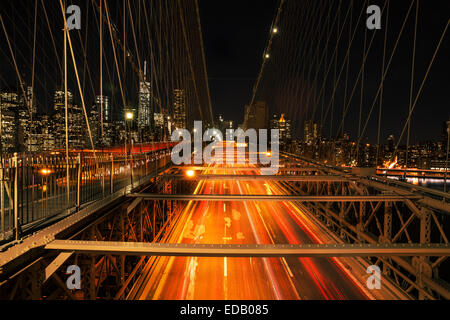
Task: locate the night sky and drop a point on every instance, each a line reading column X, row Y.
column 235, row 33
column 235, row 40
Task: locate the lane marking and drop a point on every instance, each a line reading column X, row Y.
column 287, row 267
column 225, row 270
column 265, row 227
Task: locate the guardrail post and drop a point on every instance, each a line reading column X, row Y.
column 16, row 197
column 102, row 168
column 146, row 165
column 78, row 181
column 111, row 175
column 2, row 200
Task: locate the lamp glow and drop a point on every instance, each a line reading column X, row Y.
column 190, row 173
column 129, row 115
column 45, row 172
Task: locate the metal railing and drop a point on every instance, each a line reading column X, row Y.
column 34, row 189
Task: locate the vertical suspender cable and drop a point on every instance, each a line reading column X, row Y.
column 382, row 83
column 66, row 114
column 412, row 83
column 101, row 71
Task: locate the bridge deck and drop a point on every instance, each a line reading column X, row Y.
column 317, row 178
column 248, row 250
column 238, row 197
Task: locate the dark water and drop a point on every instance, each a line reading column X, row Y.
column 436, row 184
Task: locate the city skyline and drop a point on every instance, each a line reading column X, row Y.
column 225, row 155
column 251, row 38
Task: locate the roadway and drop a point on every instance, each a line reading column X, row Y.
column 252, row 222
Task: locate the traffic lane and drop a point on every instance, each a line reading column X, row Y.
column 313, row 278
column 292, row 226
column 203, row 278
column 243, row 278
column 306, row 276
column 221, row 278
column 155, row 272
column 302, row 277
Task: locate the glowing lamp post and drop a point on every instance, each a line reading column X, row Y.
column 44, row 172
column 129, row 116
column 190, row 173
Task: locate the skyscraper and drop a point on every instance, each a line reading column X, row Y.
column 7, row 125
column 106, row 107
column 74, row 119
column 257, row 116
column 390, row 143
column 179, row 107
column 59, row 116
column 16, row 122
column 144, row 108
column 103, row 135
column 284, row 127
column 311, row 131
column 159, row 126
column 94, row 123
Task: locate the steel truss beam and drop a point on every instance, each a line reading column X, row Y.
column 238, row 197
column 281, row 169
column 250, row 250
column 321, row 178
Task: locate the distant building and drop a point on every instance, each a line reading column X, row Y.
column 179, row 108
column 59, row 116
column 256, row 117
column 106, row 107
column 7, row 131
column 144, row 121
column 95, row 126
column 117, row 132
column 284, row 127
column 44, row 133
column 15, row 122
column 311, row 132
column 75, row 121
column 104, row 138
column 31, row 98
column 390, row 143
column 223, row 125
column 159, row 126
column 144, row 111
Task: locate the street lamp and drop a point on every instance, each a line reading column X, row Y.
column 129, row 115
column 190, row 173
column 45, row 172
